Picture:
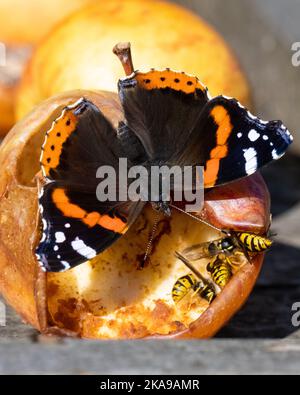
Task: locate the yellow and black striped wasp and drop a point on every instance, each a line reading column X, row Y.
column 189, row 282
column 220, row 270
column 192, row 282
column 232, row 243
column 222, row 253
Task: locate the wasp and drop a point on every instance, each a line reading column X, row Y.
column 252, row 242
column 189, row 282
column 232, row 243
column 220, row 270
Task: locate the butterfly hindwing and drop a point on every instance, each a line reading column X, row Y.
column 76, row 227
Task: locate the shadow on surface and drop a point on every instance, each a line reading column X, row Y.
column 268, row 312
column 282, row 178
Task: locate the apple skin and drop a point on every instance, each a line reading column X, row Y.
column 243, row 204
column 23, row 25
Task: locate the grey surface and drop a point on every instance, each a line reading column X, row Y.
column 153, row 357
column 260, row 32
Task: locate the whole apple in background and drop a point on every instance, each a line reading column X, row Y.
column 23, row 24
column 108, row 297
column 26, row 22
column 77, row 53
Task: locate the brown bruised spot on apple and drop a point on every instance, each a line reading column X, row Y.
column 108, row 298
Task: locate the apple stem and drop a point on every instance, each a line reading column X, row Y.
column 123, row 52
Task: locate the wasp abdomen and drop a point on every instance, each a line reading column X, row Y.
column 253, row 242
column 182, row 286
column 189, row 282
column 221, row 272
column 208, row 293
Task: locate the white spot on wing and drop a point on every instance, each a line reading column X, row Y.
column 265, row 137
column 40, row 262
column 82, row 249
column 66, row 265
column 239, row 135
column 41, row 192
column 55, row 248
column 253, row 135
column 67, row 226
column 250, row 156
column 275, row 155
column 60, row 237
column 44, row 222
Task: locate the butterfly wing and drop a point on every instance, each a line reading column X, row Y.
column 231, row 143
column 176, row 122
column 162, row 108
column 76, row 226
column 78, row 143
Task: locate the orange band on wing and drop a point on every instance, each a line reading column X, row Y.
column 222, row 120
column 92, row 219
column 61, row 129
column 169, row 79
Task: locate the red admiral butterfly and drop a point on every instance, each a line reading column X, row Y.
column 169, row 118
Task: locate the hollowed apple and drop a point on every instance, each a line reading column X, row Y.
column 109, row 297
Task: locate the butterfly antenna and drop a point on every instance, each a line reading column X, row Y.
column 151, row 238
column 123, row 52
column 199, row 219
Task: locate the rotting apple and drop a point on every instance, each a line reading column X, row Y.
column 108, row 298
